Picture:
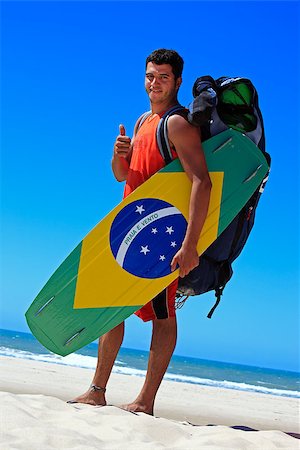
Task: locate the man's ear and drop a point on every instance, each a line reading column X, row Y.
column 178, row 83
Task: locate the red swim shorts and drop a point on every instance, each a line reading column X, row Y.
column 162, row 306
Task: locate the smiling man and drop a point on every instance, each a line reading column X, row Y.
column 135, row 161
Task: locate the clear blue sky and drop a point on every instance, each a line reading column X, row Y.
column 72, row 71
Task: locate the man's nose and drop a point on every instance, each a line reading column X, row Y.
column 155, row 81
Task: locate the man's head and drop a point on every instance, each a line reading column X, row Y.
column 163, row 78
column 164, row 56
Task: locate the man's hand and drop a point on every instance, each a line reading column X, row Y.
column 122, row 146
column 187, row 259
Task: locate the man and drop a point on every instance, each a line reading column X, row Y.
column 135, row 160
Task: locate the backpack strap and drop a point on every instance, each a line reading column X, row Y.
column 162, row 131
column 218, row 294
column 162, row 134
column 224, row 273
column 142, row 119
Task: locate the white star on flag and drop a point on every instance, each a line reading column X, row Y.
column 154, row 230
column 162, row 257
column 173, row 244
column 140, row 209
column 169, row 230
column 145, row 249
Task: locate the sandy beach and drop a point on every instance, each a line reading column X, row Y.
column 35, row 415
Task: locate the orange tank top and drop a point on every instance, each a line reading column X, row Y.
column 146, row 159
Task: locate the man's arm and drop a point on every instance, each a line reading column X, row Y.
column 122, row 152
column 187, row 141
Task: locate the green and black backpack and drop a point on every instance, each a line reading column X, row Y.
column 218, row 105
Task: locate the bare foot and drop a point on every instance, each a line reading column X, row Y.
column 138, row 407
column 93, row 396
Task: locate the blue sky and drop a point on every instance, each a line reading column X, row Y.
column 72, row 71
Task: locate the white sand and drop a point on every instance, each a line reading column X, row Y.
column 34, row 414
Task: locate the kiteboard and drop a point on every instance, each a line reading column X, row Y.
column 125, row 260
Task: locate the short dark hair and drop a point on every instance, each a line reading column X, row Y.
column 164, row 56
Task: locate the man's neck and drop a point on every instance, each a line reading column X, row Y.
column 160, row 108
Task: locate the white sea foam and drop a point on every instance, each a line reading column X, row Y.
column 89, row 362
column 233, row 385
column 86, row 362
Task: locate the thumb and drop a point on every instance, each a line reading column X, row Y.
column 174, row 263
column 122, row 130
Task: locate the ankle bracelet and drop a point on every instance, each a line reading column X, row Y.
column 97, row 388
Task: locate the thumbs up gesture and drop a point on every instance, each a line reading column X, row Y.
column 123, row 143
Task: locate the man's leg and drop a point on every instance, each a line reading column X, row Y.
column 163, row 343
column 109, row 345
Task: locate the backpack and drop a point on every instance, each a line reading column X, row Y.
column 218, row 105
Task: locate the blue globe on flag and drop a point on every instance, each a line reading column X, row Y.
column 145, row 235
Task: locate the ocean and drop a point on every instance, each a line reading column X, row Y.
column 181, row 369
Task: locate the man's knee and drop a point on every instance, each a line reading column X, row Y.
column 117, row 331
column 168, row 323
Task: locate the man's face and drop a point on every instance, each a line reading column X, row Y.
column 160, row 82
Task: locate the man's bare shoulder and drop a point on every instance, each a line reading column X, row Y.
column 179, row 125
